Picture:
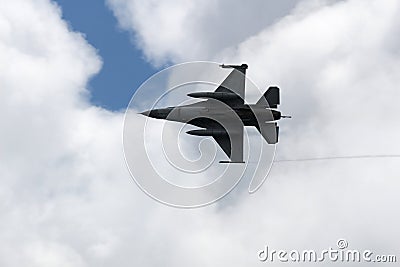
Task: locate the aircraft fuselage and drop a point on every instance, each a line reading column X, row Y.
column 191, row 114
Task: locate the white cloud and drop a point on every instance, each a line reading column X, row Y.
column 66, row 198
column 336, row 63
column 176, row 31
column 52, row 141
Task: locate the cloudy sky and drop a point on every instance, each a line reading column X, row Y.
column 66, row 196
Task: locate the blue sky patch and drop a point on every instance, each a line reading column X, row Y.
column 124, row 68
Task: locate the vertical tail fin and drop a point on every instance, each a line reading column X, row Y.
column 270, row 98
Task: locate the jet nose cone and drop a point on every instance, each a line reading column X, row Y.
column 145, row 113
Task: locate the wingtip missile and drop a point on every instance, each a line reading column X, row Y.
column 243, row 66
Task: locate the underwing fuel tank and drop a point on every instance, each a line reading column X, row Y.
column 207, row 132
column 214, row 95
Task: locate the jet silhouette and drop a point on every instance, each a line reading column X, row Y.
column 224, row 114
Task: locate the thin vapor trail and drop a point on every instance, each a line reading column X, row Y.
column 337, row 158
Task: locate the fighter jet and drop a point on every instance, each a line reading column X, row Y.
column 224, row 114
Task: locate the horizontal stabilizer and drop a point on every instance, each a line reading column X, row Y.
column 270, row 132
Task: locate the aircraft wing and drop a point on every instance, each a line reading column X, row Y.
column 234, row 83
column 231, row 144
